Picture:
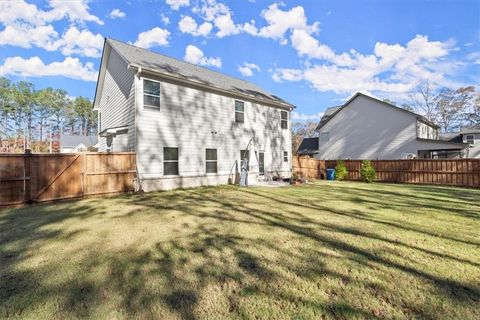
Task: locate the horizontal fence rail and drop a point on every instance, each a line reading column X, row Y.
column 26, row 178
column 449, row 172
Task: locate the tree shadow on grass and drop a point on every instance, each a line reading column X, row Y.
column 213, row 267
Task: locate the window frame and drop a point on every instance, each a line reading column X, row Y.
column 147, row 106
column 171, row 161
column 207, row 161
column 470, row 135
column 284, row 121
column 285, row 156
column 322, row 134
column 239, row 112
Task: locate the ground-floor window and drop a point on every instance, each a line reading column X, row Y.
column 285, row 156
column 170, row 161
column 211, row 160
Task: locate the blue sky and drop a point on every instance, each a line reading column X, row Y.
column 314, row 54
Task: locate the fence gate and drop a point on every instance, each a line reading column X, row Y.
column 55, row 177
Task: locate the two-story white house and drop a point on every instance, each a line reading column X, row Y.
column 367, row 128
column 188, row 125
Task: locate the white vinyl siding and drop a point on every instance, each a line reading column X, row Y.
column 117, row 101
column 195, row 120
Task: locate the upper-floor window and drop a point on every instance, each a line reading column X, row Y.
column 151, row 94
column 284, row 119
column 285, row 156
column 211, row 160
column 239, row 111
column 170, row 161
column 324, row 136
column 470, row 139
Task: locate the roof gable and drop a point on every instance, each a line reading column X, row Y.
column 335, row 110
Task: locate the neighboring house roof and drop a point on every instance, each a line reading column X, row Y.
column 328, row 116
column 450, row 136
column 75, row 140
column 308, row 146
column 459, row 144
column 470, row 129
column 157, row 63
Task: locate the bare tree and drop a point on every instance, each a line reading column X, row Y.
column 423, row 100
column 472, row 116
column 451, row 105
column 301, row 130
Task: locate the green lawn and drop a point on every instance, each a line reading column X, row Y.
column 327, row 250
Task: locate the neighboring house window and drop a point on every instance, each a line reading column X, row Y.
column 470, row 139
column 284, row 119
column 285, row 156
column 151, row 95
column 239, row 111
column 325, row 136
column 211, row 160
column 170, row 161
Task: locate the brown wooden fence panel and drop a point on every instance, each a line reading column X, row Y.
column 48, row 177
column 12, row 179
column 450, row 172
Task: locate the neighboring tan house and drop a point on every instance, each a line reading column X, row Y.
column 188, row 125
column 76, row 143
column 367, row 128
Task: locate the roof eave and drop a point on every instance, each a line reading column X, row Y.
column 145, row 70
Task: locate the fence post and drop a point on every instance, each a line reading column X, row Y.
column 27, row 163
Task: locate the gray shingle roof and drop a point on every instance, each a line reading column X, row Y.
column 166, row 65
column 73, row 141
column 308, row 146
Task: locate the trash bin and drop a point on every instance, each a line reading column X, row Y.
column 330, row 174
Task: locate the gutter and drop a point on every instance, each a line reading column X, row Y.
column 141, row 69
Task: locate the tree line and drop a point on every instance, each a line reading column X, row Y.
column 448, row 108
column 35, row 119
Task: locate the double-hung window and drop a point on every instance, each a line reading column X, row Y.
column 170, row 161
column 239, row 111
column 285, row 156
column 284, row 119
column 324, row 136
column 151, row 95
column 470, row 139
column 211, row 160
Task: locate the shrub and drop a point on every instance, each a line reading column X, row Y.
column 367, row 171
column 340, row 170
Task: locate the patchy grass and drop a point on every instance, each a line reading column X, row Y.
column 331, row 250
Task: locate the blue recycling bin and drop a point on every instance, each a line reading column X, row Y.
column 330, row 174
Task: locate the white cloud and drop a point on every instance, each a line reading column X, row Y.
column 26, row 36
column 152, row 38
column 28, row 26
column 176, row 4
column 391, row 68
column 80, row 42
column 116, row 13
column 21, row 11
column 247, row 69
column 189, row 26
column 304, row 117
column 34, row 67
column 165, row 19
column 279, row 22
column 196, row 56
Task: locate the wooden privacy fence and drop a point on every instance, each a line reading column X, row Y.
column 308, row 168
column 47, row 177
column 450, row 172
